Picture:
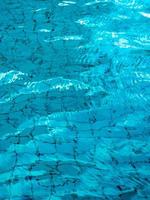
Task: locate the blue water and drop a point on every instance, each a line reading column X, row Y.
column 74, row 100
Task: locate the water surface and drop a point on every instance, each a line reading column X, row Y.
column 74, row 100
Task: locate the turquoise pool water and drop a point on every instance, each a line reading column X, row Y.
column 74, row 100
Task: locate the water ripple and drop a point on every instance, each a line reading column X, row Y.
column 74, row 99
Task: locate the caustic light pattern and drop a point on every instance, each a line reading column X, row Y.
column 74, row 100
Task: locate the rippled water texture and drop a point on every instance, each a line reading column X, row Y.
column 74, row 100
